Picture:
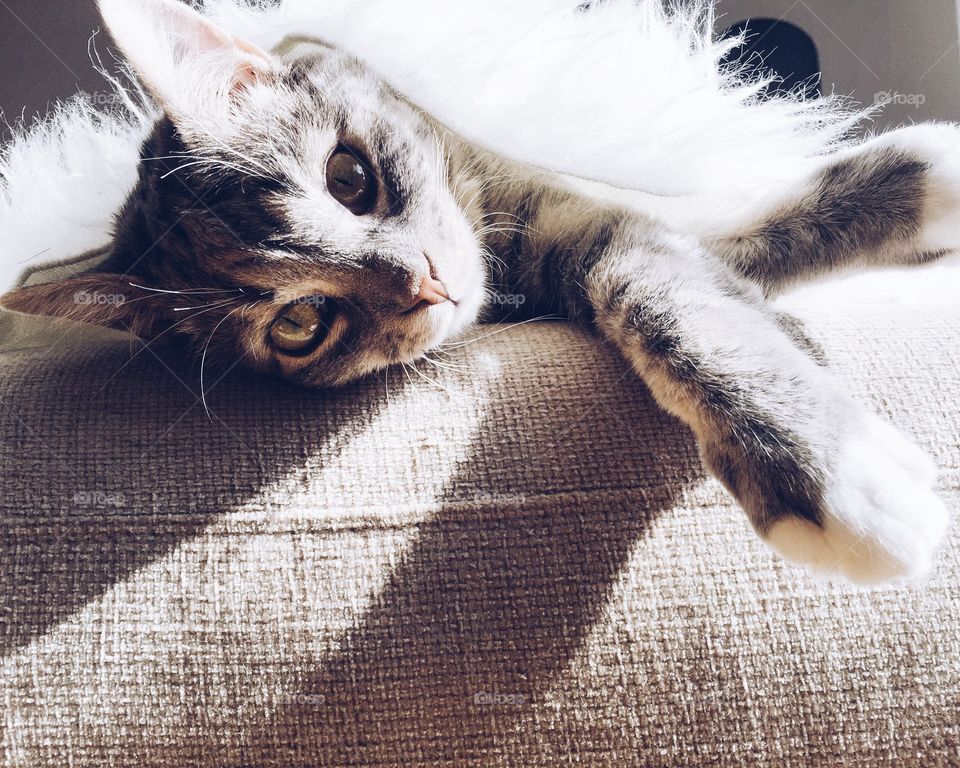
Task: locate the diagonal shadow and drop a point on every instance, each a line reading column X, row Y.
column 495, row 598
column 100, row 481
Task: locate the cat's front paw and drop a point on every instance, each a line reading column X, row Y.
column 881, row 518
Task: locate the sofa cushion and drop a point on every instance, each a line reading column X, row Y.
column 510, row 557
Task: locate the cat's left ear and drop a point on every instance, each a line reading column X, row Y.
column 191, row 65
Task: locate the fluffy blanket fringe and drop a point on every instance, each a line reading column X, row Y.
column 630, row 92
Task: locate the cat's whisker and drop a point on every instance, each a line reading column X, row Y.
column 203, row 359
column 506, row 327
column 484, row 186
column 222, row 145
column 489, row 252
column 200, row 160
column 520, row 227
column 189, row 291
column 441, row 387
column 213, row 305
column 464, row 395
column 406, row 372
column 486, row 232
column 491, row 214
column 500, row 230
column 455, row 393
column 495, row 260
column 465, row 170
column 502, row 226
column 147, row 344
column 440, row 171
column 444, row 352
column 494, row 180
column 243, row 311
column 204, row 162
column 446, row 365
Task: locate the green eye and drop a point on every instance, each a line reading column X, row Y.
column 351, row 181
column 298, row 329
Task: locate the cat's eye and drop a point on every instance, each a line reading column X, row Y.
column 351, row 181
column 299, row 328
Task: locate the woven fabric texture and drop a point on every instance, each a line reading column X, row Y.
column 519, row 562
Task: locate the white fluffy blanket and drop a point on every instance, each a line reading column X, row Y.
column 626, row 93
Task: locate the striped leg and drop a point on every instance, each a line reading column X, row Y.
column 893, row 201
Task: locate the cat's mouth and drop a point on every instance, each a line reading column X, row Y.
column 425, row 305
column 431, row 292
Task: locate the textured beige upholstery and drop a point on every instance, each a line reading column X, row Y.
column 522, row 566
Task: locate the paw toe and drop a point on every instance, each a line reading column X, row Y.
column 890, row 549
column 882, row 520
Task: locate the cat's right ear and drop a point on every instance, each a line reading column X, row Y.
column 194, row 68
column 100, row 298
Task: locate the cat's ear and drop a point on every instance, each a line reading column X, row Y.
column 104, row 299
column 192, row 66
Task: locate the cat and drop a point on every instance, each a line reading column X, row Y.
column 296, row 213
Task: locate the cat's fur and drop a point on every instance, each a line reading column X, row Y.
column 231, row 220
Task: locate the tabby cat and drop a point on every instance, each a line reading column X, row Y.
column 326, row 228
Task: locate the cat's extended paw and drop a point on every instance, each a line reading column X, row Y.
column 882, row 520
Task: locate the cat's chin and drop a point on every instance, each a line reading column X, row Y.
column 445, row 322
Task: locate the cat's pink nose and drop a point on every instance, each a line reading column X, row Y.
column 431, row 292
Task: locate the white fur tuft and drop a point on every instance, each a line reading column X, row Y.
column 629, row 93
column 62, row 181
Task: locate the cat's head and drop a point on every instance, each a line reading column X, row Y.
column 297, row 215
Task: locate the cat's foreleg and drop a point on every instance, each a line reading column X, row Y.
column 892, row 201
column 825, row 482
